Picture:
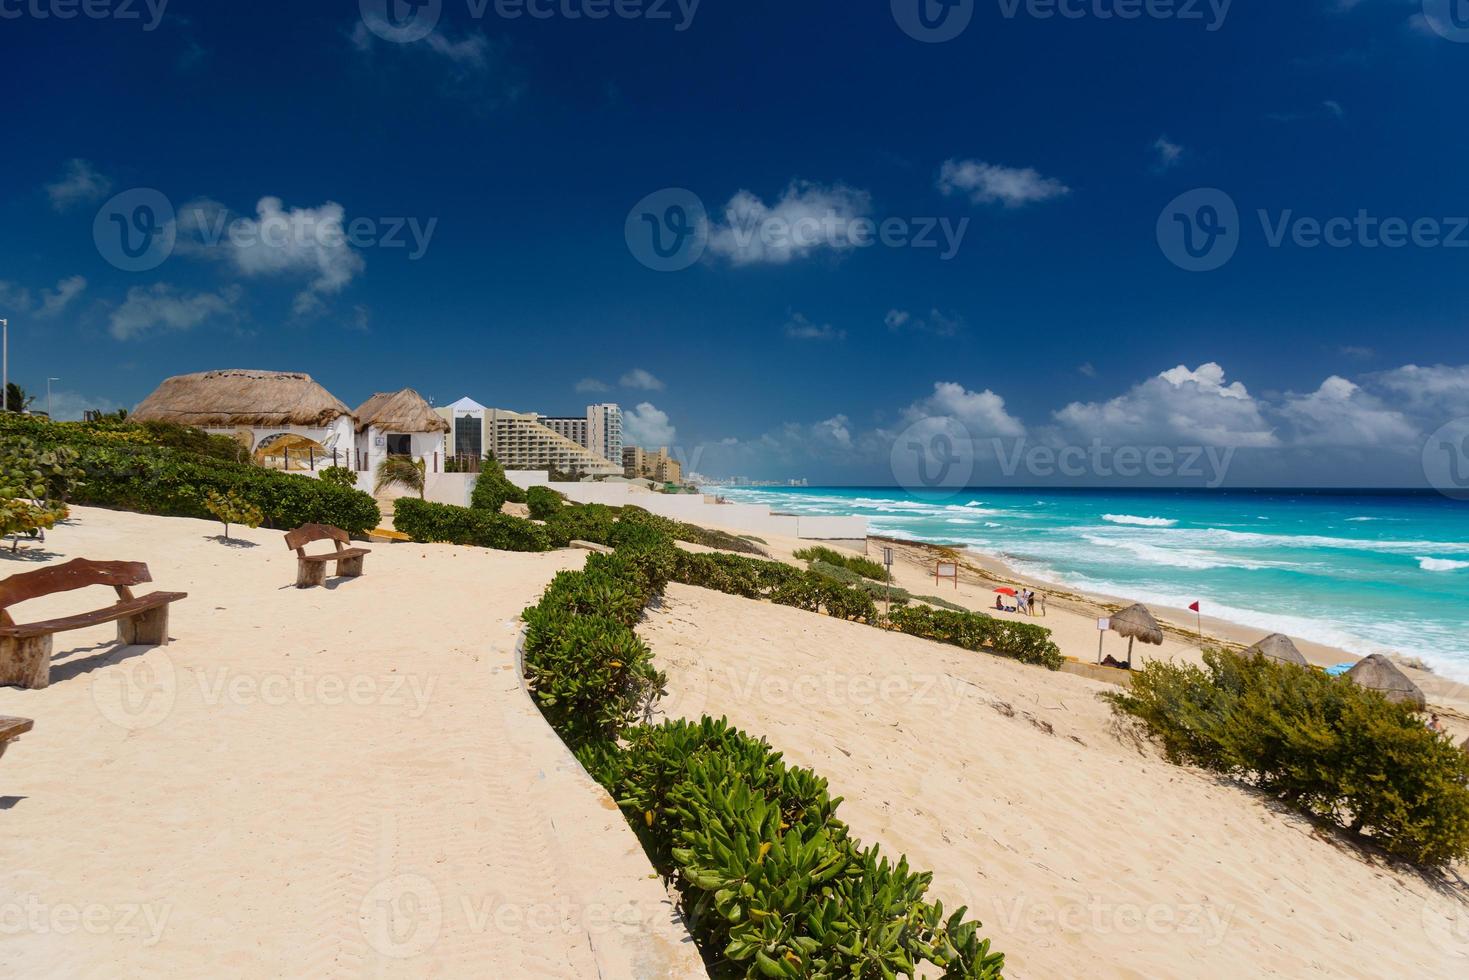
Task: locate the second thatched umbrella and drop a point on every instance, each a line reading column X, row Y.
column 1136, row 623
column 1380, row 674
column 1280, row 648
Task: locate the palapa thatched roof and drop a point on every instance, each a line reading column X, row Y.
column 1280, row 648
column 400, row 411
column 1380, row 674
column 256, row 399
column 1137, row 623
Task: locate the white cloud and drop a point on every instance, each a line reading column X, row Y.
column 982, row 413
column 1169, row 154
column 989, row 183
column 648, row 427
column 641, row 380
column 14, row 298
column 308, row 243
column 938, row 323
column 1087, row 370
column 1340, row 413
column 53, row 302
column 807, row 219
column 588, row 386
column 1178, row 407
column 471, row 52
column 1434, row 395
column 161, row 308
column 69, row 406
column 798, row 327
column 79, row 183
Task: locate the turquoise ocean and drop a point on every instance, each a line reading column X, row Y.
column 1370, row 572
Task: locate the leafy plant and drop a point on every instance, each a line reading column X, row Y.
column 1321, row 744
column 544, row 502
column 492, row 490
column 865, row 567
column 401, row 471
column 338, row 476
column 34, row 485
column 446, row 524
column 17, row 399
column 230, row 508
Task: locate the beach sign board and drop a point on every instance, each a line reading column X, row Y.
column 1104, row 624
column 947, row 569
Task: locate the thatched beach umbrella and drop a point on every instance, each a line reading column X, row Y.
column 1136, row 623
column 1278, row 647
column 1378, row 673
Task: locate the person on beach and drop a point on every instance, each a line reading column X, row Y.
column 1434, row 724
column 1042, row 597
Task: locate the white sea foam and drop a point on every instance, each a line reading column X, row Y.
column 1139, row 521
column 1441, row 564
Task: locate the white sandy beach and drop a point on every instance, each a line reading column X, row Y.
column 340, row 782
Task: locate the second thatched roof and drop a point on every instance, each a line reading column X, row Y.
column 238, row 398
column 1280, row 648
column 400, row 411
column 1137, row 623
column 1380, row 674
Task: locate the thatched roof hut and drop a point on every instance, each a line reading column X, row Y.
column 242, row 399
column 1378, row 673
column 400, row 411
column 1136, row 623
column 1280, row 648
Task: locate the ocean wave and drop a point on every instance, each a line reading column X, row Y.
column 1191, row 558
column 1441, row 564
column 1139, row 521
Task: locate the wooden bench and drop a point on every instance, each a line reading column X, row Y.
column 25, row 649
column 311, row 569
column 12, row 728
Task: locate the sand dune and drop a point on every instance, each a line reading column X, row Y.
column 336, row 782
column 1084, row 854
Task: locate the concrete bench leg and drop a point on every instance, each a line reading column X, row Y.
column 25, row 663
column 310, row 574
column 351, row 567
column 145, row 629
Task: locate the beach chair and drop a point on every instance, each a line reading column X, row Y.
column 311, row 569
column 25, row 649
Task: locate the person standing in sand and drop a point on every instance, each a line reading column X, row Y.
column 1042, row 597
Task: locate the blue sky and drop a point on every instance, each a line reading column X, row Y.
column 491, row 169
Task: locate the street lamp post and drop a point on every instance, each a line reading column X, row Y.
column 5, row 372
column 48, row 398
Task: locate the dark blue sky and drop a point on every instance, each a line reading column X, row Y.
column 526, row 143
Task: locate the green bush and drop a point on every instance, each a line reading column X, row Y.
column 772, row 883
column 492, row 490
column 127, row 466
column 1321, row 744
column 544, row 502
column 591, row 522
column 865, row 567
column 431, row 523
column 1025, row 642
column 338, row 476
column 230, row 508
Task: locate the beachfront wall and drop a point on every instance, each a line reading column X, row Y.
column 697, row 509
column 372, row 448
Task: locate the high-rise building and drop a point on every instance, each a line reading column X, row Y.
column 599, row 431
column 642, row 464
column 519, row 441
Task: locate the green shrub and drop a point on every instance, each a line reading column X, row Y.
column 1025, row 642
column 126, row 466
column 431, row 523
column 772, row 883
column 492, row 490
column 865, row 567
column 544, row 502
column 591, row 522
column 1319, row 743
column 338, row 476
column 230, row 508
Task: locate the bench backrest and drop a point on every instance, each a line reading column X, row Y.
column 298, row 539
column 76, row 574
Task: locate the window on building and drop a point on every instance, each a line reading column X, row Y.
column 400, row 445
column 468, row 433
